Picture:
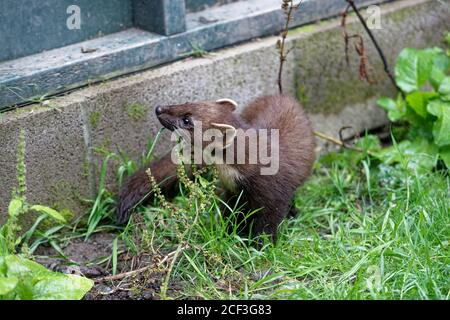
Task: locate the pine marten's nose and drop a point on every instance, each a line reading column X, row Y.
column 158, row 110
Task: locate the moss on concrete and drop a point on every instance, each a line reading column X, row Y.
column 60, row 194
column 399, row 16
column 63, row 193
column 323, row 81
column 86, row 167
column 94, row 117
column 301, row 94
column 32, row 108
column 136, row 111
column 304, row 29
column 339, row 94
column 330, row 92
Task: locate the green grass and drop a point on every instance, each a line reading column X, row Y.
column 365, row 231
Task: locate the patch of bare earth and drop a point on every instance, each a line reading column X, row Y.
column 138, row 277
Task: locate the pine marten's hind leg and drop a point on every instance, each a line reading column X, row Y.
column 293, row 211
column 268, row 218
column 267, row 222
column 137, row 188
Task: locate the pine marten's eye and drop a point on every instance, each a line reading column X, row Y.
column 186, row 120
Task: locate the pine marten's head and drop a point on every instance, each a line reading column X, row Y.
column 199, row 117
column 186, row 116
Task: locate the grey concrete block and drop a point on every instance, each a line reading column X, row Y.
column 55, row 154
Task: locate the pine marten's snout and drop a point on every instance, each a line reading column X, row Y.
column 167, row 120
column 159, row 110
column 175, row 117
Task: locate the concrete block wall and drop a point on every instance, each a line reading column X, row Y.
column 62, row 134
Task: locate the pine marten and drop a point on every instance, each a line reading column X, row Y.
column 270, row 193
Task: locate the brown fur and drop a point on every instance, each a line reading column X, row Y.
column 272, row 194
column 137, row 187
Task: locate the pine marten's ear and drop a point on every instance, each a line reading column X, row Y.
column 229, row 132
column 228, row 102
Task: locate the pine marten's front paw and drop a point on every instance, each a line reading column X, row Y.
column 124, row 206
column 134, row 190
column 137, row 188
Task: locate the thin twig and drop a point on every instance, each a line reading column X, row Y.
column 140, row 270
column 336, row 141
column 340, row 142
column 375, row 43
column 359, row 48
column 123, row 275
column 344, row 33
column 288, row 8
column 341, row 130
column 165, row 285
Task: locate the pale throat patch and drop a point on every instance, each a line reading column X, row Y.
column 229, row 176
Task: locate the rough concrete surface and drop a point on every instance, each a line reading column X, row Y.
column 64, row 137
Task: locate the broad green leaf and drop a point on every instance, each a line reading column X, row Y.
column 18, row 266
column 418, row 100
column 445, row 155
column 7, row 284
column 15, row 207
column 444, row 89
column 56, row 286
column 369, row 142
column 4, row 247
column 418, row 154
column 37, row 282
column 441, row 128
column 50, row 212
column 413, row 68
column 407, row 70
column 395, row 110
column 435, row 108
column 426, row 62
column 393, row 154
column 440, row 69
column 3, row 268
column 421, row 154
column 447, row 38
